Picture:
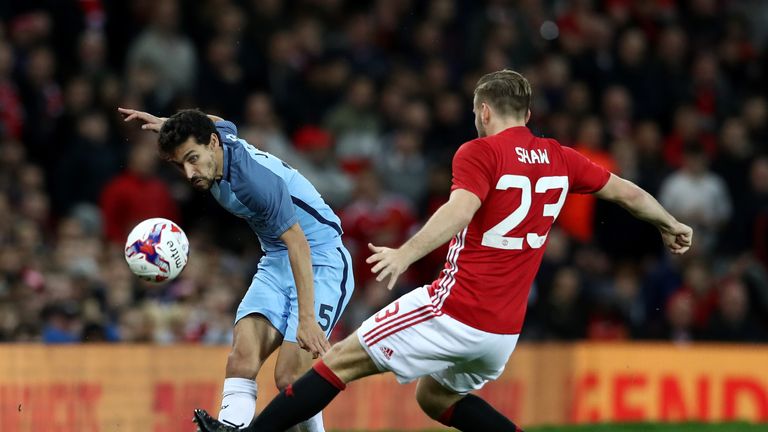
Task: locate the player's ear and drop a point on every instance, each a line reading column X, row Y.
column 214, row 140
column 527, row 116
column 485, row 113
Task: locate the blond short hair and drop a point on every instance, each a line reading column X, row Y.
column 506, row 91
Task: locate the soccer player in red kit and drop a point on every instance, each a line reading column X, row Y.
column 458, row 333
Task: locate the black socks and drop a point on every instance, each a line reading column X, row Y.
column 300, row 401
column 472, row 414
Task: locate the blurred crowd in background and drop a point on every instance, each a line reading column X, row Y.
column 369, row 100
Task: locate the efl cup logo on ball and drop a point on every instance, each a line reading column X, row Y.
column 157, row 250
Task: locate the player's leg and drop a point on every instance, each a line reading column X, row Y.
column 467, row 413
column 345, row 362
column 445, row 397
column 292, row 363
column 391, row 340
column 254, row 340
column 334, row 285
column 259, row 329
column 433, row 398
column 406, row 338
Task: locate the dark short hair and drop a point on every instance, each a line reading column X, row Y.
column 506, row 91
column 183, row 125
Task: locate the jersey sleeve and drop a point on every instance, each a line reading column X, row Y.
column 584, row 175
column 266, row 195
column 473, row 168
column 225, row 128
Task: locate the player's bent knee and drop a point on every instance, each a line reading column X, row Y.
column 433, row 398
column 430, row 405
column 282, row 382
column 428, row 408
column 284, row 378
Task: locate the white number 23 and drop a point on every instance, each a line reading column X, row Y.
column 495, row 237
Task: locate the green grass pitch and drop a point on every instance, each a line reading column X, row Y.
column 657, row 427
column 646, row 427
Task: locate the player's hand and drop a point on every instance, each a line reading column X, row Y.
column 311, row 338
column 389, row 262
column 149, row 122
column 678, row 238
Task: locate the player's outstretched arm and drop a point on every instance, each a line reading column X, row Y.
column 309, row 335
column 677, row 236
column 447, row 221
column 150, row 122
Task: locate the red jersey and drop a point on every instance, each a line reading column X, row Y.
column 128, row 199
column 522, row 182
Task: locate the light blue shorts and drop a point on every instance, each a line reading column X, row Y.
column 273, row 293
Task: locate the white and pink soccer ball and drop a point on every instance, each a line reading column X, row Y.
column 157, row 250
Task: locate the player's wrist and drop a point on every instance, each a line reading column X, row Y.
column 667, row 225
column 306, row 317
column 408, row 252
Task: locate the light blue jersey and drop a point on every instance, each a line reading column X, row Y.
column 271, row 196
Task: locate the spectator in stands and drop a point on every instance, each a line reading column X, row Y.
column 262, row 122
column 374, row 216
column 687, row 131
column 402, row 165
column 631, row 87
column 355, row 123
column 733, row 320
column 320, row 166
column 699, row 285
column 755, row 214
column 697, row 195
column 651, row 167
column 222, row 88
column 629, row 300
column 449, row 128
column 166, row 52
column 92, row 160
column 732, row 164
column 92, row 54
column 43, row 103
column 755, row 115
column 578, row 214
column 679, row 324
column 61, row 323
column 11, row 109
column 712, row 95
column 565, row 315
column 136, row 194
column 617, row 112
column 671, row 59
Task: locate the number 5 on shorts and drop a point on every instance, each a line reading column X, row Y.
column 325, row 316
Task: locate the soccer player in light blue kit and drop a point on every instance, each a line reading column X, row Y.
column 304, row 280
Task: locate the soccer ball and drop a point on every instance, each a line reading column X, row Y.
column 157, row 250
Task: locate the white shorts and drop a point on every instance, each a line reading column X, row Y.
column 411, row 338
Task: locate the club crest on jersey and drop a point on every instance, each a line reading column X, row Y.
column 533, row 156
